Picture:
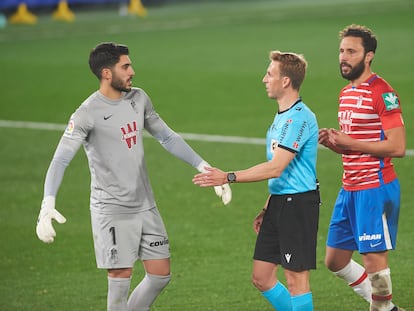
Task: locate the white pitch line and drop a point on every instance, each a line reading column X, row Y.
column 187, row 136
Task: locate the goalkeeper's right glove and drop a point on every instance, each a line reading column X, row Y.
column 44, row 228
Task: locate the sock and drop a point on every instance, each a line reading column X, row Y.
column 279, row 297
column 302, row 302
column 356, row 277
column 118, row 289
column 145, row 293
column 381, row 290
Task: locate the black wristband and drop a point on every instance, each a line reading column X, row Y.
column 231, row 177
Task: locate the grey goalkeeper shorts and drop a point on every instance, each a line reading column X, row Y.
column 122, row 239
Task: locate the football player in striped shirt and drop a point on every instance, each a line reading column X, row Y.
column 366, row 212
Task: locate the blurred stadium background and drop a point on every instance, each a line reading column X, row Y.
column 202, row 63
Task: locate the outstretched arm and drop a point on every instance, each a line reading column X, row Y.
column 262, row 171
column 177, row 146
column 172, row 142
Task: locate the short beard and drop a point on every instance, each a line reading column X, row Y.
column 117, row 85
column 355, row 72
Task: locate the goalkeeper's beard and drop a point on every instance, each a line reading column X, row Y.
column 120, row 86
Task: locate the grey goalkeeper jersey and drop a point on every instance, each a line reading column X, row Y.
column 111, row 132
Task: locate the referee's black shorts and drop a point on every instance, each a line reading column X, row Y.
column 288, row 233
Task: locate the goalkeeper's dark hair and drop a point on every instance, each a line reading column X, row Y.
column 369, row 40
column 292, row 65
column 105, row 55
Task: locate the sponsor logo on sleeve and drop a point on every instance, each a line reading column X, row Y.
column 391, row 101
column 69, row 128
column 273, row 145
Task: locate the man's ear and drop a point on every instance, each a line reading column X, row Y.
column 285, row 81
column 369, row 57
column 106, row 74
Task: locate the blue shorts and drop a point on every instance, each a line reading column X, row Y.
column 366, row 220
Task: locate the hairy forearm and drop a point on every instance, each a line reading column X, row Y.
column 335, row 149
column 379, row 149
column 393, row 144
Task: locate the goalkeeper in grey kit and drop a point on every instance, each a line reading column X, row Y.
column 126, row 223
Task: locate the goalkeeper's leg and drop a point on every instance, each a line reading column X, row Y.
column 145, row 293
column 118, row 288
column 156, row 279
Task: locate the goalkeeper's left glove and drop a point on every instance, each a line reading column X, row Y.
column 44, row 228
column 223, row 191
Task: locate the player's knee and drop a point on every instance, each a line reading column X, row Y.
column 335, row 265
column 158, row 282
column 260, row 283
column 330, row 264
column 257, row 283
column 120, row 273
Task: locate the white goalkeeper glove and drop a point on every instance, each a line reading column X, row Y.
column 223, row 191
column 44, row 228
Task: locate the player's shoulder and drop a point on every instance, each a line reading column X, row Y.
column 301, row 111
column 86, row 109
column 90, row 100
column 302, row 108
column 381, row 84
column 136, row 92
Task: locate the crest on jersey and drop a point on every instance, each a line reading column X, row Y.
column 391, row 101
column 134, row 106
column 359, row 101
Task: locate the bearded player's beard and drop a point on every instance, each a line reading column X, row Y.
column 119, row 85
column 355, row 71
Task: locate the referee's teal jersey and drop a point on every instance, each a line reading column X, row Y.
column 295, row 130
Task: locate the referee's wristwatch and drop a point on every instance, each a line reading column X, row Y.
column 231, row 177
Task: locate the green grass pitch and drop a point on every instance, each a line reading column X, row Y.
column 202, row 64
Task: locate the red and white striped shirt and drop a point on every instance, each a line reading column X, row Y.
column 365, row 112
